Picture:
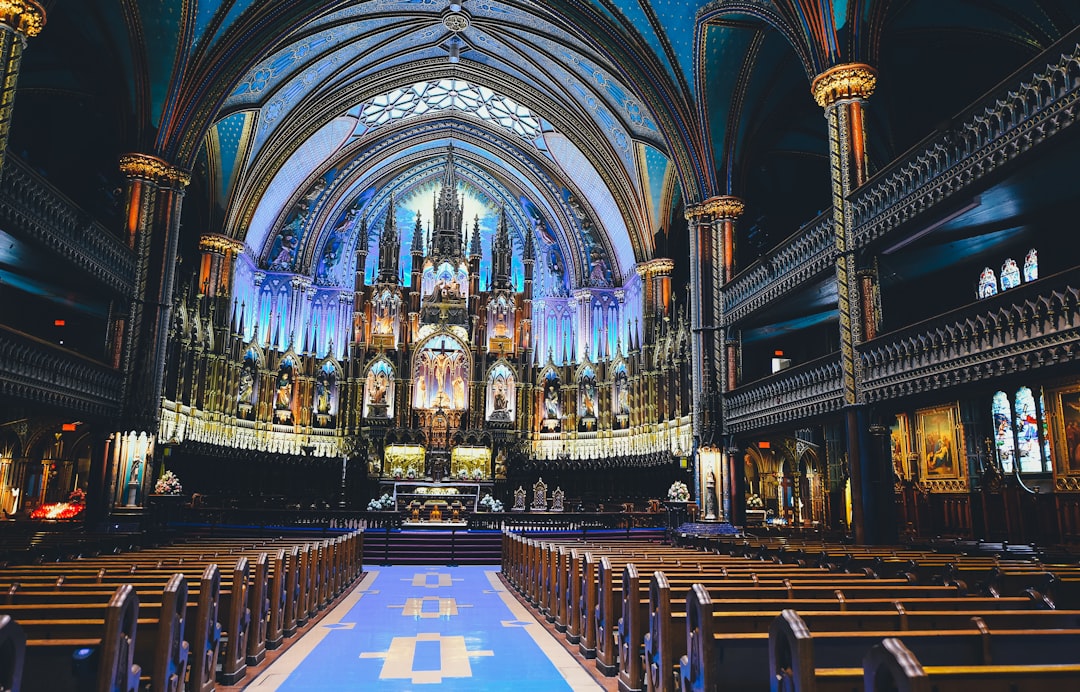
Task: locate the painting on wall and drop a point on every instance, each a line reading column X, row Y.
column 1065, row 425
column 900, row 446
column 940, row 443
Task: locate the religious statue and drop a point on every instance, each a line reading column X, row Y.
column 283, row 397
column 322, row 395
column 551, row 401
column 247, row 385
column 421, row 391
column 459, row 392
column 499, row 401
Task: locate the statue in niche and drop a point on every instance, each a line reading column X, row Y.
column 384, row 323
column 551, row 400
column 247, row 385
column 322, row 395
column 421, row 392
column 283, row 396
column 499, row 401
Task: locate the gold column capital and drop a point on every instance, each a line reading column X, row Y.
column 659, row 266
column 848, row 81
column 24, row 16
column 153, row 169
column 215, row 242
column 719, row 207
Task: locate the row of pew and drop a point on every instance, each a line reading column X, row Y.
column 768, row 616
column 187, row 616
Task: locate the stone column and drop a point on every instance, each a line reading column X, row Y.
column 19, row 20
column 843, row 91
column 155, row 192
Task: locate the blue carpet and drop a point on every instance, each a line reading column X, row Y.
column 714, row 528
column 426, row 627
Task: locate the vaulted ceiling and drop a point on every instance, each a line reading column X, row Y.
column 592, row 121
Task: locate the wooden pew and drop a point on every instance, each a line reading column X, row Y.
column 51, row 667
column 797, row 656
column 891, row 666
column 12, row 653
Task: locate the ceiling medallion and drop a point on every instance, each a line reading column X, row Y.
column 455, row 21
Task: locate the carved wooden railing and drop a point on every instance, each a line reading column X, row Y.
column 800, row 258
column 36, row 371
column 1039, row 101
column 31, row 206
column 1033, row 326
column 809, row 390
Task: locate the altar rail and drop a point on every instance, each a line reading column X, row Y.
column 328, row 519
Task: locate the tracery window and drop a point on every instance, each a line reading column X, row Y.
column 423, row 97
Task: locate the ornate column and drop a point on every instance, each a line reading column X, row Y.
column 712, row 234
column 155, row 192
column 843, row 91
column 219, row 255
column 19, row 20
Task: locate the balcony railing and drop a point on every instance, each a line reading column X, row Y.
column 31, row 206
column 1033, row 326
column 32, row 370
column 806, row 391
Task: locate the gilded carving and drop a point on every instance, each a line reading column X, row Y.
column 849, row 81
column 212, row 242
column 25, row 16
column 147, row 167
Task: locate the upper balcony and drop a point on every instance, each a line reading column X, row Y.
column 806, row 391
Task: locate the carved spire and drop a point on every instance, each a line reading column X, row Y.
column 474, row 242
column 448, row 234
column 530, row 246
column 502, row 250
column 389, row 246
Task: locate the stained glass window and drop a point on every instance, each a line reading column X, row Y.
column 1029, row 454
column 1010, row 275
column 1003, row 431
column 1031, row 265
column 987, row 283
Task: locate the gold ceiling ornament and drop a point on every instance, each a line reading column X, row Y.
column 658, row 266
column 215, row 242
column 25, row 16
column 155, row 170
column 849, row 81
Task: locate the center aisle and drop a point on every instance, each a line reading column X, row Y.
column 407, row 628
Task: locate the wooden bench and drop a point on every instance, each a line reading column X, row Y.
column 891, row 666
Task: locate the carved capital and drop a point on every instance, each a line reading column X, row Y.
column 153, row 169
column 220, row 244
column 660, row 266
column 848, row 81
column 24, row 16
column 719, row 207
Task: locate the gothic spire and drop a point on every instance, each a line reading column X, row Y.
column 474, row 242
column 502, row 250
column 389, row 246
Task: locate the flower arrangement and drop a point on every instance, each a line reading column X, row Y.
column 77, row 496
column 381, row 504
column 678, row 492
column 463, row 473
column 410, row 473
column 754, row 501
column 491, row 503
column 168, row 484
column 397, row 472
column 477, row 473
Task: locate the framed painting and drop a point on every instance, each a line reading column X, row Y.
column 898, row 433
column 940, row 443
column 1065, row 424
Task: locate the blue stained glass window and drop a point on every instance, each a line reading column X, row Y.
column 1003, row 431
column 1029, row 454
column 987, row 283
column 1031, row 265
column 1010, row 275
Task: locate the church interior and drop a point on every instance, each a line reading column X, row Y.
column 787, row 269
